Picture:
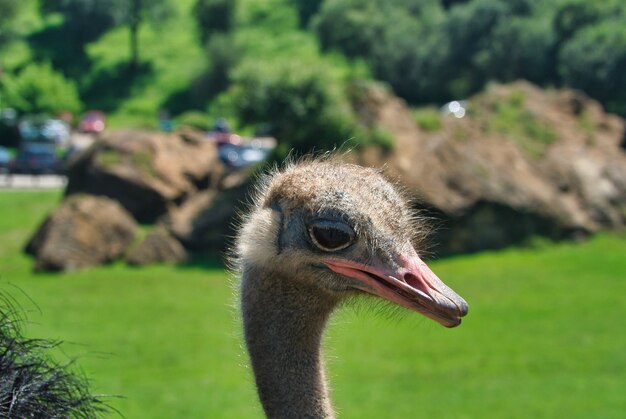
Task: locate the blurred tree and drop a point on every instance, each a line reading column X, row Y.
column 85, row 20
column 351, row 26
column 223, row 54
column 416, row 70
column 449, row 3
column 594, row 60
column 530, row 58
column 574, row 15
column 88, row 19
column 302, row 105
column 214, row 16
column 8, row 10
column 134, row 13
column 306, row 10
column 39, row 89
column 428, row 53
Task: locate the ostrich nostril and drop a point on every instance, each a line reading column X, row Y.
column 415, row 282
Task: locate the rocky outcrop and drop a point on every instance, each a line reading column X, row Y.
column 523, row 161
column 207, row 220
column 157, row 247
column 148, row 173
column 83, row 231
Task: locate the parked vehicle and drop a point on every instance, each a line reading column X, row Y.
column 238, row 156
column 5, row 160
column 41, row 129
column 57, row 131
column 35, row 158
column 93, row 122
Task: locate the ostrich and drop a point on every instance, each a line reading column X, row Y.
column 318, row 233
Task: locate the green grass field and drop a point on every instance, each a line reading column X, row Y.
column 544, row 337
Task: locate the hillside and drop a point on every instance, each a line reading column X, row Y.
column 521, row 162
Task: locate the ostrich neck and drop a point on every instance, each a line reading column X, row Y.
column 284, row 322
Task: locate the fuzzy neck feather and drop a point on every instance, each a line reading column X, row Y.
column 284, row 322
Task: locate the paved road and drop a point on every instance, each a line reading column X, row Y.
column 12, row 182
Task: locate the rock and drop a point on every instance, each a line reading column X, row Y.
column 157, row 247
column 83, row 231
column 146, row 172
column 522, row 162
column 206, row 221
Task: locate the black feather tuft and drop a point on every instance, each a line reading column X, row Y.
column 32, row 384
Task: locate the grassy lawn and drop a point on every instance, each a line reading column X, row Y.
column 543, row 339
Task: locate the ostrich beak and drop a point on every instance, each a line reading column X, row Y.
column 410, row 283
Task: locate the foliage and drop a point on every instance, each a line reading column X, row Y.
column 351, row 26
column 431, row 54
column 195, row 119
column 573, row 15
column 40, row 89
column 303, row 105
column 84, row 20
column 530, row 59
column 428, row 119
column 214, row 16
column 428, row 51
column 88, row 19
column 224, row 55
column 8, row 10
column 306, row 10
column 594, row 60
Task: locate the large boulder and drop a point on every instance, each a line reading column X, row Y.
column 206, row 221
column 523, row 161
column 157, row 247
column 148, row 173
column 83, row 231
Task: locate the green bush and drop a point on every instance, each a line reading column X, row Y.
column 195, row 119
column 214, row 16
column 40, row 89
column 8, row 10
column 303, row 106
column 594, row 60
column 224, row 55
column 428, row 119
column 512, row 120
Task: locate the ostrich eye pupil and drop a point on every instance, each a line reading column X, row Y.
column 330, row 237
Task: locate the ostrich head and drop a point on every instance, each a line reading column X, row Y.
column 340, row 229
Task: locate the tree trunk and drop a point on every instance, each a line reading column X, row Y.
column 135, row 21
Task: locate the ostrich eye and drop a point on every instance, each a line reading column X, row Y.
column 330, row 235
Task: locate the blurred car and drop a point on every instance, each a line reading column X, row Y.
column 35, row 158
column 222, row 138
column 42, row 129
column 57, row 131
column 5, row 160
column 93, row 122
column 238, row 156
